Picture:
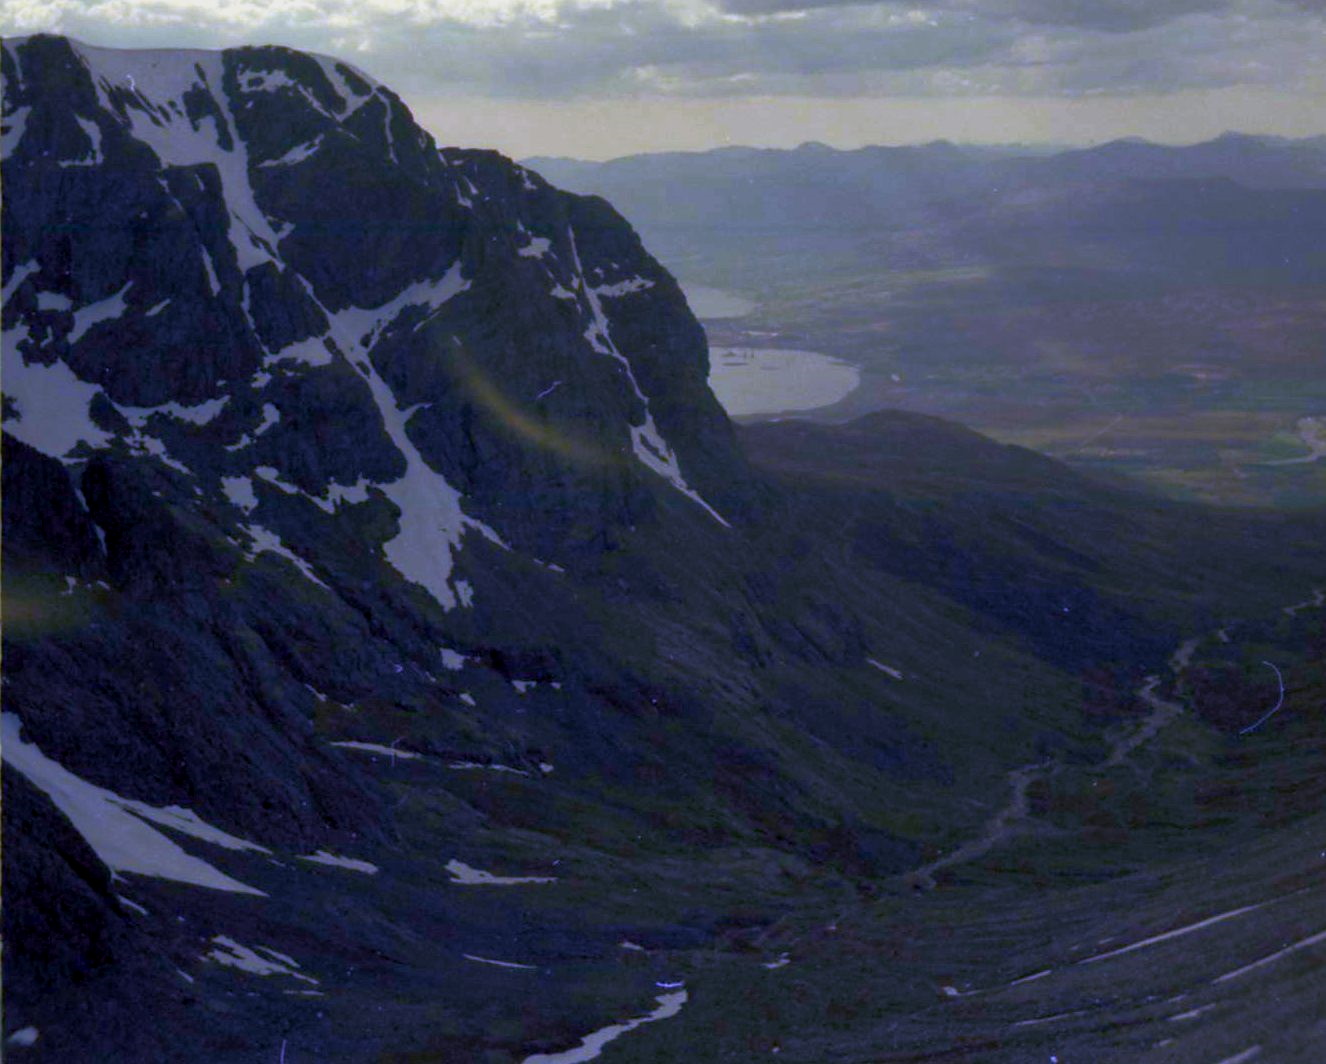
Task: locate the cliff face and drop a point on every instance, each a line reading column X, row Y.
column 317, row 434
column 268, row 242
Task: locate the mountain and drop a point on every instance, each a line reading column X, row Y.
column 1255, row 161
column 407, row 659
column 687, row 202
column 1138, row 309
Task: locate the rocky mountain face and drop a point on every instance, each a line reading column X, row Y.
column 392, row 614
column 257, row 324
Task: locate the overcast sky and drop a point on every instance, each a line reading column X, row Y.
column 598, row 78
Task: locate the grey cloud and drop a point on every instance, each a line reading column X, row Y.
column 644, row 48
column 1115, row 16
column 931, row 48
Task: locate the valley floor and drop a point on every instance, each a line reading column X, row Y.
column 1186, row 930
column 1199, row 395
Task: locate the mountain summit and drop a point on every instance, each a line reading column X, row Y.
column 210, row 241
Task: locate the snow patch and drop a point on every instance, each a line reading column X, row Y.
column 93, row 156
column 1038, row 1020
column 335, row 494
column 623, row 288
column 378, row 748
column 345, row 493
column 296, row 154
column 273, row 477
column 312, row 351
column 387, row 133
column 1178, row 932
column 648, row 443
column 466, row 766
column 52, row 402
column 114, row 826
column 271, row 80
column 21, row 273
column 239, row 490
column 233, row 955
column 15, row 125
column 885, row 668
column 209, row 267
column 53, row 301
column 113, row 306
column 270, row 417
column 1192, row 1014
column 592, row 1044
column 475, row 877
column 24, row 1036
column 151, row 445
column 264, row 539
column 431, row 523
column 203, row 413
column 1304, row 943
column 352, row 863
column 1249, row 1054
column 329, row 66
column 499, row 964
column 161, row 78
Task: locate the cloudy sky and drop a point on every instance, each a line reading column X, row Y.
column 598, row 78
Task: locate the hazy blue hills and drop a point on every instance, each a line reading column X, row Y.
column 1139, row 308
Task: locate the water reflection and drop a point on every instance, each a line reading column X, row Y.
column 751, row 380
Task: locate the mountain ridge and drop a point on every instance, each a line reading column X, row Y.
column 1014, row 154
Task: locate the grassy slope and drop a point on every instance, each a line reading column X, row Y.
column 1199, row 823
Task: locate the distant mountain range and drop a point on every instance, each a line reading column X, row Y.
column 1265, row 161
column 1159, row 303
column 815, row 187
column 1235, row 208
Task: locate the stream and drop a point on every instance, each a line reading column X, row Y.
column 1008, row 821
column 1013, row 816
